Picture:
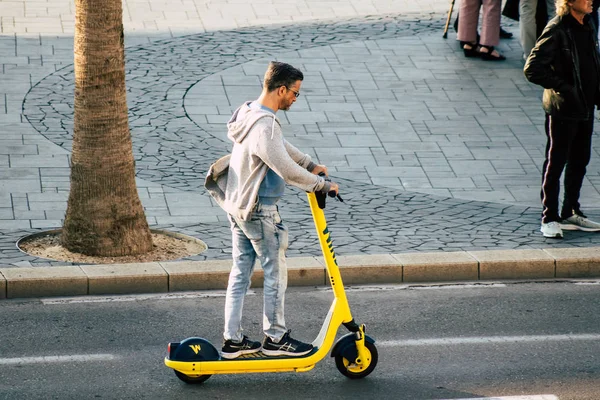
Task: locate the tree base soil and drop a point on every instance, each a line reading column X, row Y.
column 165, row 248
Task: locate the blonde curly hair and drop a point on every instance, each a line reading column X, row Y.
column 562, row 7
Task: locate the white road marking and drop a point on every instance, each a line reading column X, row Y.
column 487, row 340
column 587, row 283
column 221, row 293
column 58, row 359
column 534, row 397
column 136, row 297
column 457, row 286
column 440, row 286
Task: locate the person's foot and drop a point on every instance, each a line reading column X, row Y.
column 489, row 53
column 470, row 49
column 551, row 230
column 232, row 349
column 285, row 347
column 579, row 223
column 504, row 34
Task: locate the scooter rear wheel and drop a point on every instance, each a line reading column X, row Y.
column 192, row 380
column 194, row 350
column 353, row 371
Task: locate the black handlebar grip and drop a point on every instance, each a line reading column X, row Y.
column 331, row 193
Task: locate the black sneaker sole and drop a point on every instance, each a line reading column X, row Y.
column 230, row 356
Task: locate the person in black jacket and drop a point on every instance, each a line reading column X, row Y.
column 566, row 62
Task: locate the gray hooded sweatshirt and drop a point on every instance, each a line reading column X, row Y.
column 258, row 144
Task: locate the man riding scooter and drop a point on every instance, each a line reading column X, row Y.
column 261, row 163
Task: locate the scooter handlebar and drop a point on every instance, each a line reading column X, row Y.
column 331, row 193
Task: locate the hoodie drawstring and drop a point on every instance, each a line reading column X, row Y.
column 273, row 128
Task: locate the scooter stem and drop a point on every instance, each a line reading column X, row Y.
column 333, row 269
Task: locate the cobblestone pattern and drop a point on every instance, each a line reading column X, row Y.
column 374, row 220
column 171, row 150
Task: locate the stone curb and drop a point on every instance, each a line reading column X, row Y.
column 303, row 271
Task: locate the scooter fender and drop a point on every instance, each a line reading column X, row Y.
column 346, row 347
column 193, row 349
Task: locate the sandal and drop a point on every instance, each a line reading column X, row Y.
column 488, row 55
column 470, row 49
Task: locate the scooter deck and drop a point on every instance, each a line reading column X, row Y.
column 261, row 356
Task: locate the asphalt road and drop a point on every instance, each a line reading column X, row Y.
column 458, row 341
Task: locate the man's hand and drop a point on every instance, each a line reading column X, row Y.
column 334, row 188
column 322, row 171
column 320, row 168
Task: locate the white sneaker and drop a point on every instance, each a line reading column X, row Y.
column 578, row 223
column 551, row 230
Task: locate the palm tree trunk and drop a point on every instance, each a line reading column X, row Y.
column 104, row 215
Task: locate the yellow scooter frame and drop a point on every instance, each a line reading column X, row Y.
column 195, row 359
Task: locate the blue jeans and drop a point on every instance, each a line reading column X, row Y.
column 263, row 236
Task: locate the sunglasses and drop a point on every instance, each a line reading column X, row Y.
column 297, row 94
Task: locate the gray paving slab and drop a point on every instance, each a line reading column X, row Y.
column 414, row 133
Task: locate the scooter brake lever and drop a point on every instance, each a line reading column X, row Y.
column 331, row 193
column 337, row 196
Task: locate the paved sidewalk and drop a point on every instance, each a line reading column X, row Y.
column 434, row 152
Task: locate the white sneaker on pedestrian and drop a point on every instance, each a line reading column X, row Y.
column 578, row 223
column 551, row 230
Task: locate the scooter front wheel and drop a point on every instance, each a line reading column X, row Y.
column 353, row 371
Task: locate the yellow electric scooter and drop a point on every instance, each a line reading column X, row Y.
column 196, row 359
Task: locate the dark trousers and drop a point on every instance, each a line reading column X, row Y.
column 568, row 147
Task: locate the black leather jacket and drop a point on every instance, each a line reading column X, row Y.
column 554, row 65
